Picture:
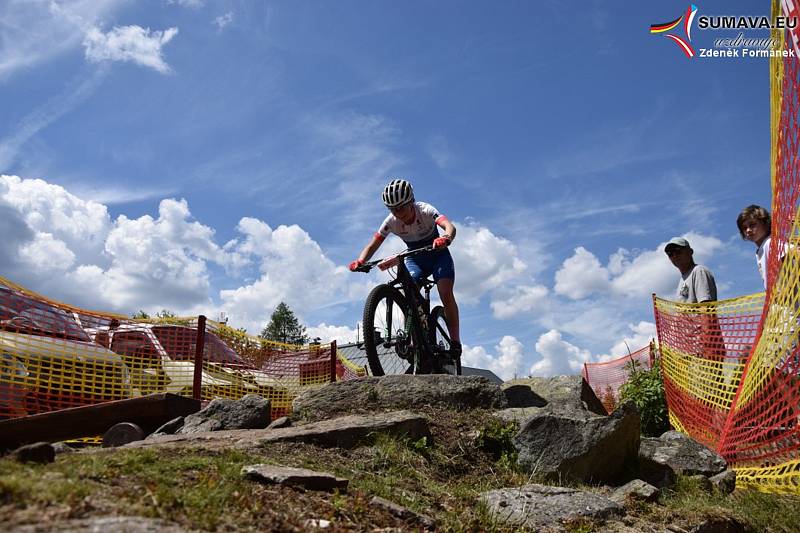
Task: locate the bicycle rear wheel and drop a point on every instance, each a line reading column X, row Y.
column 387, row 332
column 441, row 340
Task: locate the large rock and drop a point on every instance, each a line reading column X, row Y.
column 523, row 396
column 724, row 482
column 38, row 452
column 403, row 513
column 343, row 432
column 541, row 507
column 519, row 415
column 250, row 412
column 635, row 490
column 294, row 477
column 562, row 393
column 581, row 446
column 397, row 392
column 353, row 430
column 660, row 459
column 171, row 427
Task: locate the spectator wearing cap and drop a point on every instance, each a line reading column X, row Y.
column 702, row 335
column 697, row 282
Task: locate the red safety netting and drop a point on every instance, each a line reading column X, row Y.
column 762, row 433
column 703, row 351
column 732, row 368
column 606, row 378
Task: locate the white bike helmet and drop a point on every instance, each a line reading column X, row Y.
column 397, row 193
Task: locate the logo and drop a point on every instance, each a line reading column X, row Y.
column 687, row 19
column 755, row 35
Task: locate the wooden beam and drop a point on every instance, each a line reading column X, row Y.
column 148, row 412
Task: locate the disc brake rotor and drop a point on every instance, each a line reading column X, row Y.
column 403, row 346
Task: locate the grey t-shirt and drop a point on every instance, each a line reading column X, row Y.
column 696, row 286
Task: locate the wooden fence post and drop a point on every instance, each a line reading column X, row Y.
column 333, row 361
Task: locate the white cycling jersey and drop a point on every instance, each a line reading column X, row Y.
column 419, row 233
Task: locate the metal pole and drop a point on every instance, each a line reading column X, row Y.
column 198, row 357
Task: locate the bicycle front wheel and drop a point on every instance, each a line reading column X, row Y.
column 387, row 332
column 441, row 341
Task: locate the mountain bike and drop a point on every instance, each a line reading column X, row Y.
column 402, row 334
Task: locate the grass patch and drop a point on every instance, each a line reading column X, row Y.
column 690, row 504
column 149, row 483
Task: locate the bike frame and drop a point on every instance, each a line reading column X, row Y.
column 422, row 329
column 419, row 308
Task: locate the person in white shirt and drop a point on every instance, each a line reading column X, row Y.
column 418, row 224
column 755, row 224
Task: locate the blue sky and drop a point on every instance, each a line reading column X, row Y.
column 215, row 155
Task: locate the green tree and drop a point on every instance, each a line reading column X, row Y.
column 140, row 315
column 284, row 327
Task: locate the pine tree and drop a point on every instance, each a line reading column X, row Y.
column 284, row 327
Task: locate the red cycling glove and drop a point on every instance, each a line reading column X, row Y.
column 355, row 264
column 441, row 242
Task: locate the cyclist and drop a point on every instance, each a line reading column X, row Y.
column 418, row 223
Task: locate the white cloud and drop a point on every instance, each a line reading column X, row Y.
column 63, row 246
column 50, row 210
column 223, row 20
column 506, row 362
column 159, row 262
column 558, row 357
column 581, row 275
column 34, row 31
column 71, row 249
column 518, row 300
column 484, row 262
column 639, row 337
column 328, row 333
column 47, row 253
column 112, row 193
column 129, row 43
column 187, row 3
column 292, row 269
column 649, row 271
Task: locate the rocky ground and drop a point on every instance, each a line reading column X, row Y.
column 400, row 453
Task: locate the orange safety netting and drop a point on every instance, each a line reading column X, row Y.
column 732, row 368
column 606, row 378
column 54, row 356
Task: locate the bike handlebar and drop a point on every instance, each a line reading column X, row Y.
column 391, row 260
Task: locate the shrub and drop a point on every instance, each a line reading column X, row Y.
column 646, row 389
column 609, row 400
column 497, row 440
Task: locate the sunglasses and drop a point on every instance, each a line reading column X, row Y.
column 399, row 209
column 673, row 251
